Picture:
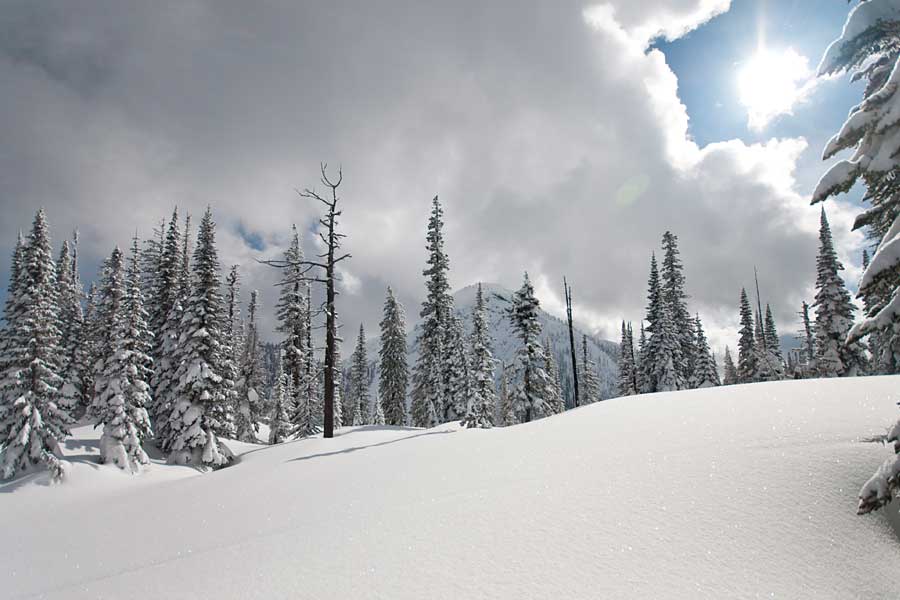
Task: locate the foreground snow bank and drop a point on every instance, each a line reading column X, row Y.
column 729, row 492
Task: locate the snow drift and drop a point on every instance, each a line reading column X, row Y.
column 728, row 492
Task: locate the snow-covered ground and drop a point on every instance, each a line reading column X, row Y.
column 747, row 491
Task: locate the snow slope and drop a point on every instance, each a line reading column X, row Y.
column 747, row 491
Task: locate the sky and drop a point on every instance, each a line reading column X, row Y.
column 563, row 138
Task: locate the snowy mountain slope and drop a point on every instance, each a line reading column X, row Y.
column 745, row 491
column 504, row 342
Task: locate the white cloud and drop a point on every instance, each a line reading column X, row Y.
column 557, row 147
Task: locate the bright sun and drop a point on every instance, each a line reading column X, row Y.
column 771, row 83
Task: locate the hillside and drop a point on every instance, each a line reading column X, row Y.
column 746, row 491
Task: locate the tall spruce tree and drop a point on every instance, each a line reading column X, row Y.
column 32, row 424
column 120, row 404
column 747, row 369
column 480, row 410
column 867, row 48
column 173, row 293
column 662, row 356
column 834, row 313
column 587, row 375
column 250, row 381
column 773, row 347
column 199, row 414
column 458, row 391
column 532, row 388
column 705, row 372
column 429, row 373
column 359, row 382
column 308, row 416
column 109, row 307
column 731, row 374
column 393, row 371
column 290, row 311
column 627, row 367
column 556, row 401
column 280, row 423
column 674, row 295
column 71, row 325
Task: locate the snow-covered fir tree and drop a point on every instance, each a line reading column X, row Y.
column 588, row 379
column 867, row 48
column 32, row 424
column 308, row 414
column 250, row 382
column 199, row 413
column 458, row 390
column 531, row 385
column 674, row 296
column 291, row 313
column 747, row 368
column 774, row 357
column 280, row 422
column 627, row 366
column 834, row 313
column 393, row 371
column 556, row 401
column 642, row 378
column 506, row 407
column 124, row 393
column 429, row 374
column 232, row 345
column 71, row 325
column 731, row 373
column 359, row 381
column 174, row 288
column 661, row 356
column 110, row 298
column 705, row 372
column 480, row 410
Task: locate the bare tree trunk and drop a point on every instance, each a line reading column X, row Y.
column 568, row 293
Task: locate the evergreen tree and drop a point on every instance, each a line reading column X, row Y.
column 172, row 295
column 642, row 379
column 108, row 310
column 675, row 297
column 480, row 411
column 429, row 374
column 359, row 382
column 627, row 366
column 834, row 313
column 458, row 391
column 31, row 422
column 232, row 341
column 809, row 342
column 308, row 416
column 556, row 401
column 90, row 353
column 587, row 376
column 280, row 424
column 705, row 372
column 393, row 371
column 867, row 48
column 773, row 347
column 250, row 381
column 507, row 404
column 731, row 374
column 290, row 310
column 532, row 390
column 120, row 404
column 199, row 414
column 747, row 369
column 662, row 358
column 71, row 326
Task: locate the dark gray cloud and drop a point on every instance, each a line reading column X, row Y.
column 556, row 141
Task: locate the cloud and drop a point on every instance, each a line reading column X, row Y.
column 555, row 139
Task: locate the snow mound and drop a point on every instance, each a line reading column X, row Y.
column 745, row 491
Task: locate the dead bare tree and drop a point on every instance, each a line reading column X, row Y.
column 323, row 271
column 568, row 293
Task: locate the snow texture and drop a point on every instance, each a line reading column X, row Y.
column 752, row 492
